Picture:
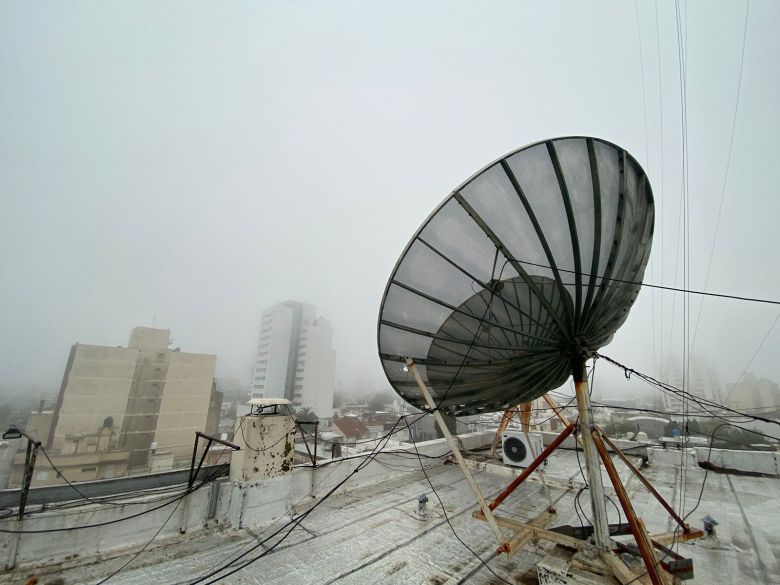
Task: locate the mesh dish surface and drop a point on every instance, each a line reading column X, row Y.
column 531, row 263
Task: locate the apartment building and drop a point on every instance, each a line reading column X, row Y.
column 151, row 393
column 295, row 358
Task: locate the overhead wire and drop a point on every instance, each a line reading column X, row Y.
column 229, row 569
column 728, row 166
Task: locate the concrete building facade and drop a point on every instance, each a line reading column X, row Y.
column 757, row 395
column 295, row 358
column 703, row 381
column 149, row 393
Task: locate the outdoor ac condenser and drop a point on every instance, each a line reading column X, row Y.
column 520, row 450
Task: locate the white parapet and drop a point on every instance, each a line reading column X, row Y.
column 763, row 462
column 672, row 457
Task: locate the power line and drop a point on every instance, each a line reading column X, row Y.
column 728, row 166
column 703, row 402
column 659, row 286
column 449, row 523
column 293, row 523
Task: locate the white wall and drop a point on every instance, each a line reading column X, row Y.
column 239, row 505
column 318, row 378
column 272, row 353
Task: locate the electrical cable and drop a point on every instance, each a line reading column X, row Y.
column 216, row 473
column 449, row 523
column 159, row 530
column 659, row 286
column 672, row 389
column 292, row 524
column 728, row 166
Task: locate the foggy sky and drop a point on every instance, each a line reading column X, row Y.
column 203, row 161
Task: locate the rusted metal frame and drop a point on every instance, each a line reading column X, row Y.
column 645, row 482
column 194, row 472
column 557, row 410
column 199, row 435
column 525, row 421
column 530, row 469
column 306, row 444
column 453, row 445
column 677, row 565
column 525, row 417
column 29, row 465
column 637, row 528
column 505, row 418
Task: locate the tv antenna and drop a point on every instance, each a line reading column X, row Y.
column 513, row 282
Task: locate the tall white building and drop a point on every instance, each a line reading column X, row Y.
column 295, row 358
column 703, row 382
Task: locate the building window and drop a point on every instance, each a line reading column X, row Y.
column 259, row 386
column 259, row 378
column 41, row 475
column 88, row 469
column 299, row 378
column 297, row 395
column 298, row 387
column 260, row 370
column 301, row 353
column 296, row 404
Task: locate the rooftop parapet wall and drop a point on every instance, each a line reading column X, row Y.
column 763, row 462
column 232, row 504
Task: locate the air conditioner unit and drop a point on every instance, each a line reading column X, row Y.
column 520, row 450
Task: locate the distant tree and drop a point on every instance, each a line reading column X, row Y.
column 306, row 414
column 378, row 400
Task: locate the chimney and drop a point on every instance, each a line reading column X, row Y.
column 267, row 440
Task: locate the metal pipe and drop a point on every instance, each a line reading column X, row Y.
column 645, row 482
column 637, row 529
column 595, row 487
column 453, row 445
column 316, row 432
column 29, row 466
column 536, row 463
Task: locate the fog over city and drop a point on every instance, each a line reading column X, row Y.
column 187, row 166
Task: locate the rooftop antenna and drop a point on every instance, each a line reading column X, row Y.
column 513, row 282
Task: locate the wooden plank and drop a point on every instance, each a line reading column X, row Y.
column 521, row 537
column 619, row 568
column 668, row 538
column 543, row 533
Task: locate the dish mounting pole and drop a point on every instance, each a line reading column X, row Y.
column 598, row 503
column 453, row 444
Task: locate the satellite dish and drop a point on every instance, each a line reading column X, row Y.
column 527, row 268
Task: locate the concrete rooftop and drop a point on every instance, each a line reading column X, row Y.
column 374, row 535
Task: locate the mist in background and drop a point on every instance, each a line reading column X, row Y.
column 189, row 165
